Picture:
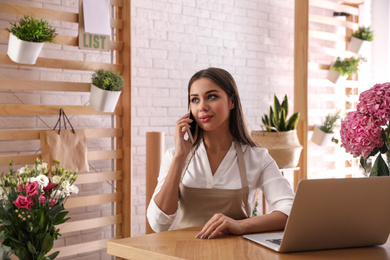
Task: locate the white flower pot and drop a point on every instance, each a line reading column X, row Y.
column 355, row 44
column 321, row 138
column 23, row 52
column 335, row 77
column 103, row 100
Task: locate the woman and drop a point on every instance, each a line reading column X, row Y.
column 213, row 181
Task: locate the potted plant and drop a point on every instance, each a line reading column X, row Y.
column 344, row 68
column 280, row 136
column 360, row 37
column 323, row 134
column 27, row 37
column 106, row 88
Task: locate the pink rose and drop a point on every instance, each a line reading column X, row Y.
column 32, row 188
column 42, row 199
column 23, row 202
column 52, row 202
column 49, row 187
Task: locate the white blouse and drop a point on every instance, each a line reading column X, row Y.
column 262, row 173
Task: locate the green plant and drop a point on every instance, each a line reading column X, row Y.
column 108, row 80
column 276, row 119
column 364, row 33
column 348, row 66
column 329, row 122
column 31, row 29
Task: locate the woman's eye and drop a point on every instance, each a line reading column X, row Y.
column 194, row 100
column 212, row 96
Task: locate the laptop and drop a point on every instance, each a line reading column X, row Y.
column 334, row 213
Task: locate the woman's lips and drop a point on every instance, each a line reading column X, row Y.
column 205, row 119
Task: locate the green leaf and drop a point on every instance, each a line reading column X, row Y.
column 47, row 242
column 282, row 125
column 6, row 222
column 380, row 168
column 285, row 104
column 277, row 107
column 292, row 122
column 54, row 255
column 59, row 219
column 31, row 248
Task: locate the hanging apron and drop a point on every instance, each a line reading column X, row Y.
column 198, row 205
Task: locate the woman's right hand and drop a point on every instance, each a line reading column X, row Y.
column 182, row 146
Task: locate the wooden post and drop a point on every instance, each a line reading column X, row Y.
column 124, row 58
column 301, row 42
column 154, row 153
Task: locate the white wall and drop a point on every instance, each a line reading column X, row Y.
column 172, row 39
column 381, row 43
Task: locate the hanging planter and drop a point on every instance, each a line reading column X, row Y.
column 359, row 38
column 355, row 44
column 106, row 89
column 342, row 69
column 27, row 37
column 335, row 77
column 321, row 138
column 22, row 51
column 323, row 134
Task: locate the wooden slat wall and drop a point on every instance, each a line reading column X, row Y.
column 308, row 71
column 120, row 132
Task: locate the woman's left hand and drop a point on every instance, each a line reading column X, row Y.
column 220, row 223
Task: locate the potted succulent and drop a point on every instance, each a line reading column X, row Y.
column 27, row 37
column 323, row 134
column 280, row 136
column 106, row 88
column 342, row 69
column 361, row 36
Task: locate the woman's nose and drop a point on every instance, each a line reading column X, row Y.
column 203, row 106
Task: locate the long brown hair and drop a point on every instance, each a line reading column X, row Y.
column 225, row 80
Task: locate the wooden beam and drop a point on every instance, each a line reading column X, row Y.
column 64, row 64
column 84, row 201
column 301, row 44
column 33, row 134
column 74, row 226
column 334, row 6
column 51, row 110
column 332, row 21
column 42, row 85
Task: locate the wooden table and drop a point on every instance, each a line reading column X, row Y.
column 182, row 244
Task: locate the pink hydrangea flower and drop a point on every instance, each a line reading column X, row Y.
column 375, row 102
column 360, row 134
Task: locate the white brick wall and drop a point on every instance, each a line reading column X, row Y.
column 173, row 39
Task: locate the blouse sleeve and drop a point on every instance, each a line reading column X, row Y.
column 277, row 190
column 158, row 220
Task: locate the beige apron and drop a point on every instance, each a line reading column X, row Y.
column 198, row 205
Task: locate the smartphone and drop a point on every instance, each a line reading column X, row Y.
column 193, row 127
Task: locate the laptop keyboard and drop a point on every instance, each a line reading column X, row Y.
column 275, row 241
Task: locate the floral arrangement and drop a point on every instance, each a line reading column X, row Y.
column 365, row 132
column 31, row 205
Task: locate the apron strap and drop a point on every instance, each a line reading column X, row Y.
column 241, row 164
